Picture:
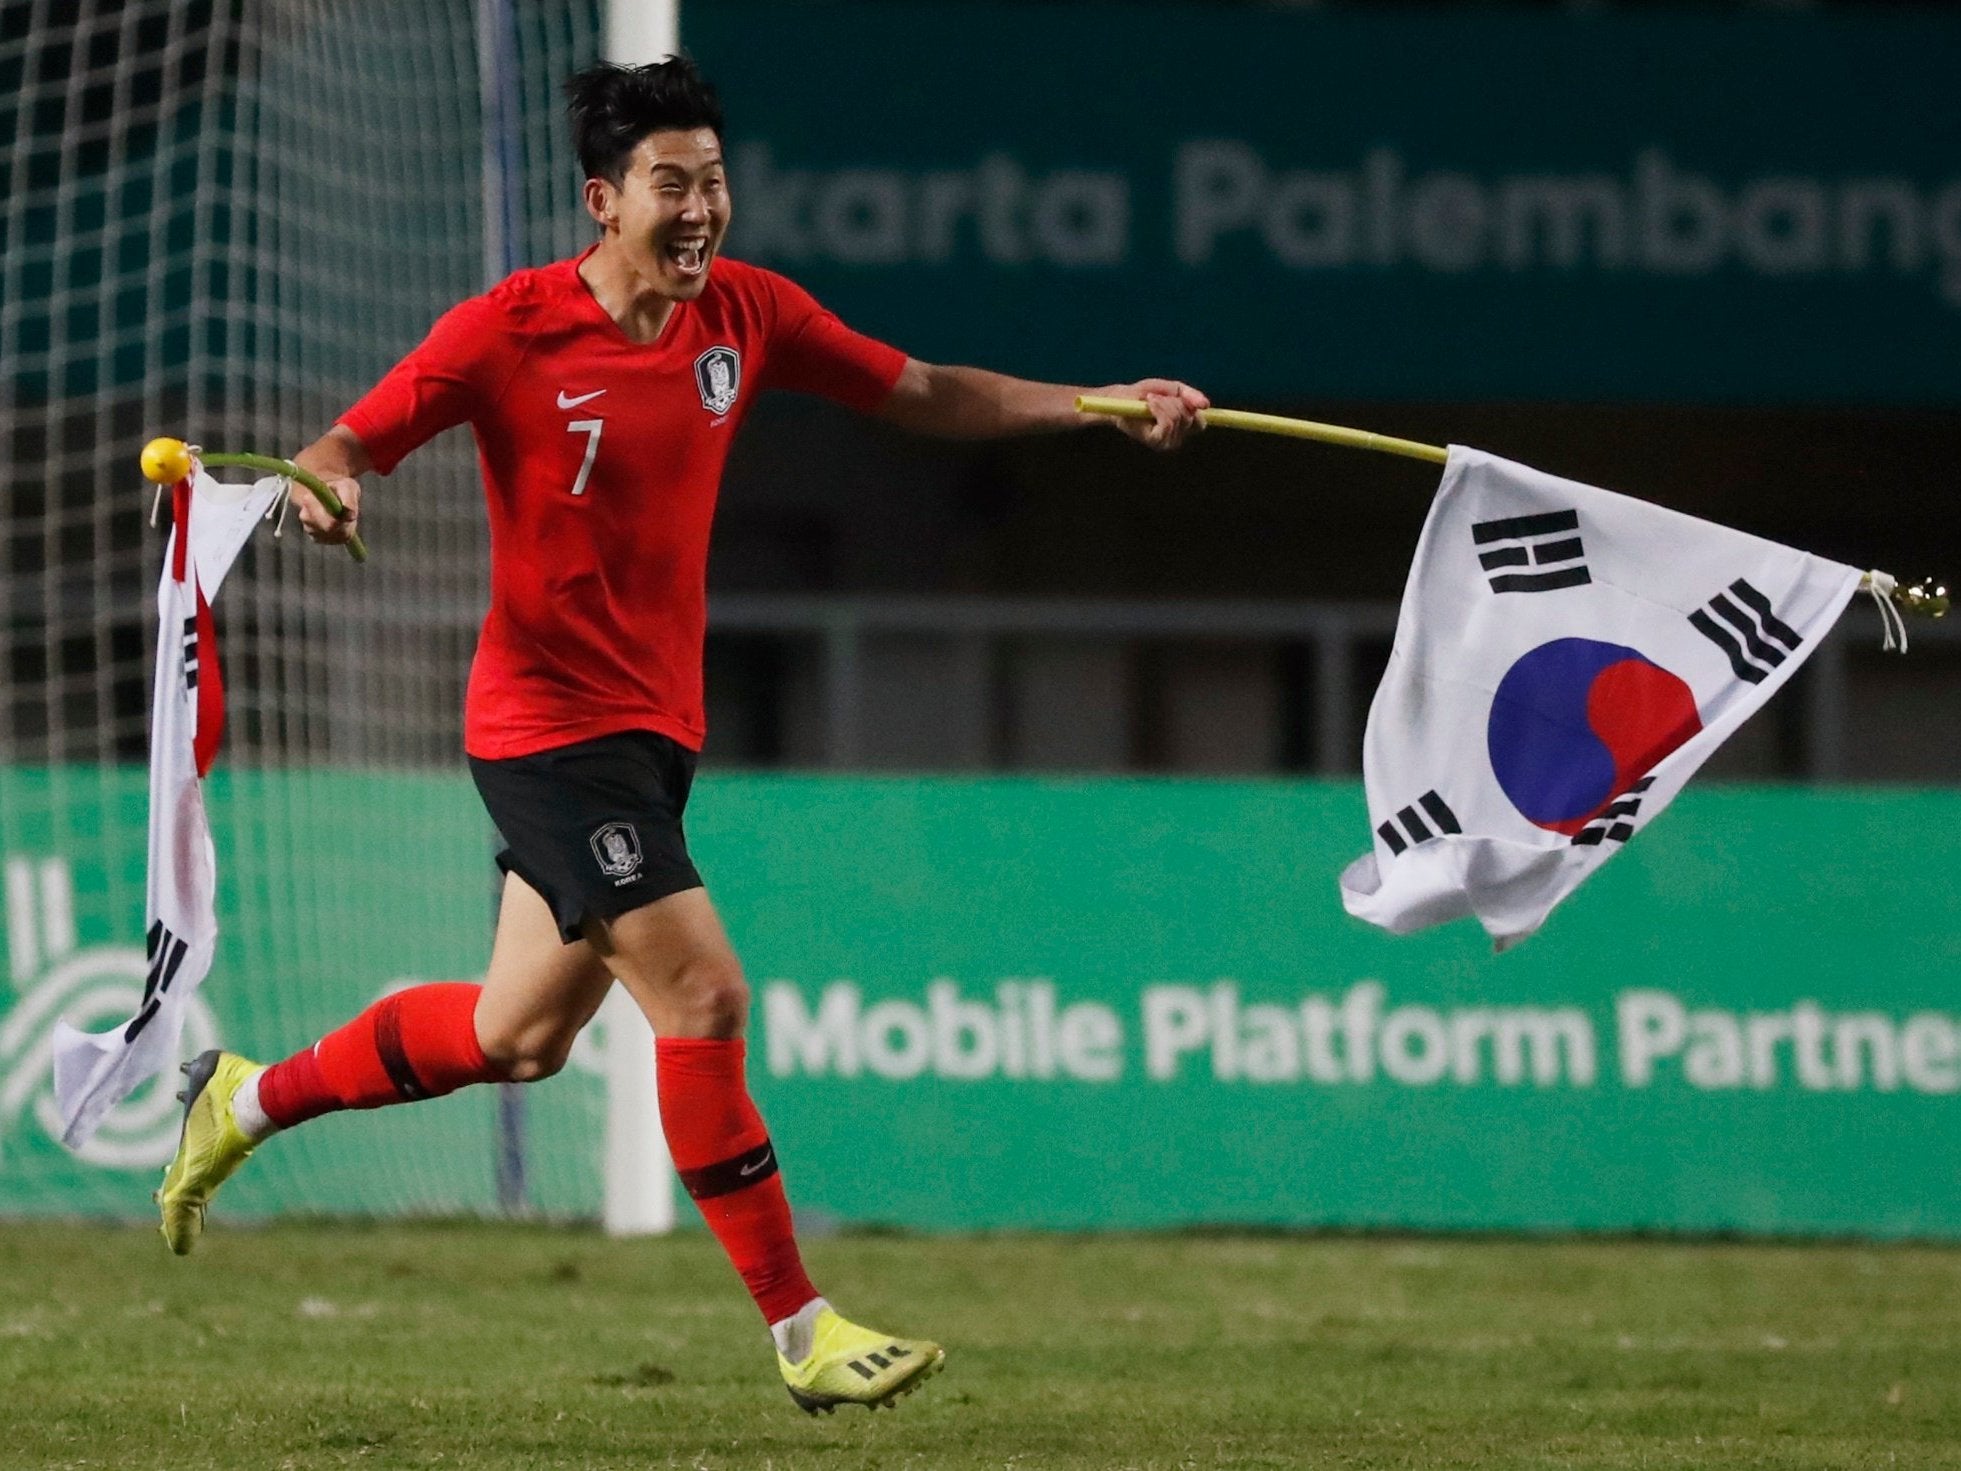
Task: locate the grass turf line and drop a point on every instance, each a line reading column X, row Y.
column 504, row 1346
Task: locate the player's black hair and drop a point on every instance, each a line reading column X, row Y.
column 613, row 107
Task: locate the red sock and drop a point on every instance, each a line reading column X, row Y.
column 418, row 1043
column 722, row 1152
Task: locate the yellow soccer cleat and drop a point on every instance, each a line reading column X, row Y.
column 210, row 1148
column 849, row 1365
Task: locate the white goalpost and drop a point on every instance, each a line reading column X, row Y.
column 639, row 1174
column 640, row 31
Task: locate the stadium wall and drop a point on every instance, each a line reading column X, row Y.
column 1439, row 204
column 1085, row 1004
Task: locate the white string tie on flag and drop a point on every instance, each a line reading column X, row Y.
column 1879, row 587
column 279, row 506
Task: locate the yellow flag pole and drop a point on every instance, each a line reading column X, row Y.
column 1131, row 408
column 1928, row 598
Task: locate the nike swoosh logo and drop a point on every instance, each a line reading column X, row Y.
column 566, row 402
column 751, row 1169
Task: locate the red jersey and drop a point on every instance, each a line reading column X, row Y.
column 601, row 461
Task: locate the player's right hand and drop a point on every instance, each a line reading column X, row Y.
column 329, row 530
column 1175, row 408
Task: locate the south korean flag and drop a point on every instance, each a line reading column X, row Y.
column 94, row 1071
column 1564, row 661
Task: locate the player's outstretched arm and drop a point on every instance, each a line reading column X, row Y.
column 972, row 403
column 337, row 457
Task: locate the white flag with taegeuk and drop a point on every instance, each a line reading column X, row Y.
column 93, row 1072
column 1565, row 659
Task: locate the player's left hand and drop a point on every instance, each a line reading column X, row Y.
column 1174, row 407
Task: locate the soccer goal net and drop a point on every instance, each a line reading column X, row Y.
column 222, row 221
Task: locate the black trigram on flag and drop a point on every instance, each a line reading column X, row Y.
column 166, row 954
column 1740, row 623
column 1548, row 545
column 190, row 652
column 1407, row 828
column 1614, row 824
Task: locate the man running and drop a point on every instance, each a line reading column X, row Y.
column 603, row 392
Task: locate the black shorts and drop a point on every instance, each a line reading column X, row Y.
column 595, row 827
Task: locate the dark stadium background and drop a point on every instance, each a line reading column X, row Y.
column 820, row 506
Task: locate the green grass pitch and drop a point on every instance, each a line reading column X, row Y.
column 303, row 1346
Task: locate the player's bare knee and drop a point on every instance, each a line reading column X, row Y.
column 715, row 995
column 535, row 1066
column 527, row 1054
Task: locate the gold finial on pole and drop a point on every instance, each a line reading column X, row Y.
column 1928, row 597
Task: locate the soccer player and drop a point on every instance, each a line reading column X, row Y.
column 603, row 392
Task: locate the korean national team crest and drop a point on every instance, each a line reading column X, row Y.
column 718, row 374
column 617, row 847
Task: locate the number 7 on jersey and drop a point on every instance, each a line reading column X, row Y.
column 590, row 428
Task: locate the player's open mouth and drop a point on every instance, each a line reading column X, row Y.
column 689, row 257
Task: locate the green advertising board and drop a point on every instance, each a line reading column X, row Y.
column 333, row 888
column 1434, row 203
column 1015, row 1003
